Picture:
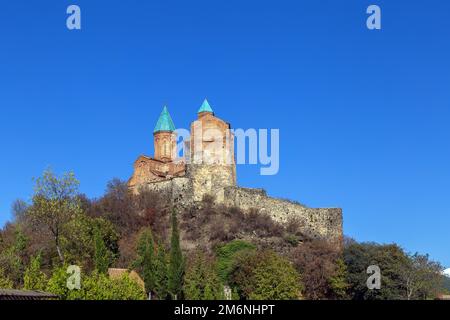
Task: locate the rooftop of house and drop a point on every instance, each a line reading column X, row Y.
column 12, row 294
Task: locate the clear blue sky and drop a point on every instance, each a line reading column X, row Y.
column 363, row 115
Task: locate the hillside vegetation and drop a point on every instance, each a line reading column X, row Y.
column 205, row 252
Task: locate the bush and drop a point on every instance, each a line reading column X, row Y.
column 317, row 261
column 264, row 275
column 201, row 281
column 262, row 224
column 226, row 254
column 5, row 282
column 96, row 286
column 99, row 286
column 34, row 278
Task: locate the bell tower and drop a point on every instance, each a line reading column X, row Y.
column 164, row 138
column 212, row 168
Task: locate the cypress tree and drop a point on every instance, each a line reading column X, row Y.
column 161, row 277
column 176, row 263
column 101, row 254
column 146, row 259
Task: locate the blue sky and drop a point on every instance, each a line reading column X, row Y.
column 363, row 115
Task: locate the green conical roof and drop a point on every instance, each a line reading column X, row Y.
column 165, row 122
column 205, row 107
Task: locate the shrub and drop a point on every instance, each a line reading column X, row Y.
column 264, row 275
column 201, row 281
column 97, row 286
column 226, row 254
column 317, row 262
column 5, row 282
column 34, row 278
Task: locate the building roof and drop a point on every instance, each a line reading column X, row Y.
column 165, row 122
column 205, row 107
column 11, row 294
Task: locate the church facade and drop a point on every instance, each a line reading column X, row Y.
column 207, row 167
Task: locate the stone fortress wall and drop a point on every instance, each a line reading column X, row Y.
column 184, row 192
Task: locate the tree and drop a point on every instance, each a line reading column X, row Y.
column 34, row 278
column 445, row 284
column 201, row 281
column 322, row 274
column 101, row 253
column 391, row 260
column 422, row 277
column 161, row 273
column 55, row 202
column 338, row 281
column 117, row 206
column 145, row 262
column 176, row 263
column 226, row 254
column 81, row 241
column 5, row 282
column 264, row 275
column 19, row 209
column 12, row 256
column 57, row 284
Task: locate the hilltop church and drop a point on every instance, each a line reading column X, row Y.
column 208, row 168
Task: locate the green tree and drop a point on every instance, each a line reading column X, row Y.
column 201, row 281
column 264, row 275
column 145, row 262
column 392, row 261
column 57, row 284
column 34, row 278
column 422, row 277
column 5, row 282
column 226, row 254
column 161, row 273
column 445, row 285
column 101, row 253
column 176, row 263
column 12, row 257
column 338, row 281
column 82, row 236
column 55, row 202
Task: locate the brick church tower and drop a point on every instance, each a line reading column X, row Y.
column 212, row 166
column 163, row 165
column 164, row 138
